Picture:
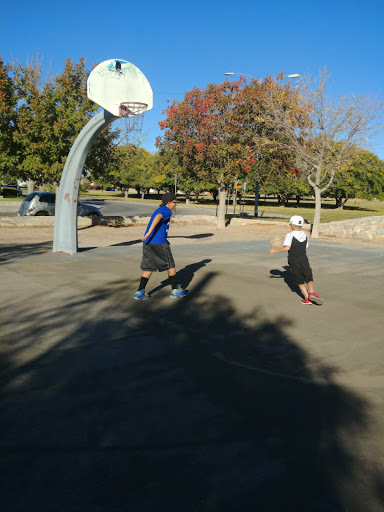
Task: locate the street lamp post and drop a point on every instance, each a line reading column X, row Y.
column 231, row 73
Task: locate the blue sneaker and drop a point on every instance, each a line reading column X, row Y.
column 178, row 292
column 141, row 295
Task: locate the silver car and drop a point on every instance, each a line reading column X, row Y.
column 43, row 203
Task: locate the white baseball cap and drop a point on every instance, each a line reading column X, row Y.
column 296, row 220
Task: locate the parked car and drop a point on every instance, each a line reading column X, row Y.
column 11, row 191
column 43, row 203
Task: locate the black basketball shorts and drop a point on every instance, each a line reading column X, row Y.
column 157, row 257
column 301, row 272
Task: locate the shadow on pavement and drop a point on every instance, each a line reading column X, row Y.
column 184, row 276
column 286, row 275
column 10, row 252
column 186, row 405
column 200, row 235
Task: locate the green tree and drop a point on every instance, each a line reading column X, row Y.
column 170, row 171
column 50, row 114
column 73, row 110
column 8, row 102
column 34, row 118
column 363, row 179
column 132, row 167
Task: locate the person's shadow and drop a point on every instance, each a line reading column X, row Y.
column 184, row 276
column 286, row 275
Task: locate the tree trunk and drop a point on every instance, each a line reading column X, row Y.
column 31, row 186
column 234, row 197
column 316, row 220
column 338, row 202
column 196, row 196
column 142, row 194
column 221, row 208
column 126, row 190
column 298, row 198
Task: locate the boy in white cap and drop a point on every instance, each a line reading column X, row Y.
column 296, row 243
column 157, row 255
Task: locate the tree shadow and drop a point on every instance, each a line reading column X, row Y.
column 112, row 405
column 11, row 252
column 184, row 276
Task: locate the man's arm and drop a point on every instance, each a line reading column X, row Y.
column 155, row 222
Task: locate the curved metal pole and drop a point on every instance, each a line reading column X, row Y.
column 65, row 231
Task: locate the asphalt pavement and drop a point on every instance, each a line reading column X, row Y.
column 235, row 398
column 120, row 208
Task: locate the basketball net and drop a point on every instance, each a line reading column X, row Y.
column 131, row 121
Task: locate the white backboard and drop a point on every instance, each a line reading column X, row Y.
column 115, row 81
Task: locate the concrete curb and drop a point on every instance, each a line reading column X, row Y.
column 12, row 222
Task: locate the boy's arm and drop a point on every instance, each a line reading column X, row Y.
column 283, row 249
column 155, row 222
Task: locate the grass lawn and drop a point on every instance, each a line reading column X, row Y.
column 356, row 209
column 11, row 199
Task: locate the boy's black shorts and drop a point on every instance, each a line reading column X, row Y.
column 157, row 257
column 301, row 272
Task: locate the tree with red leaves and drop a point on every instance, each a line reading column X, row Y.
column 212, row 133
column 205, row 132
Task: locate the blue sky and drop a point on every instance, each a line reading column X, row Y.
column 180, row 45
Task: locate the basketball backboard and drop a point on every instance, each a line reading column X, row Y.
column 116, row 81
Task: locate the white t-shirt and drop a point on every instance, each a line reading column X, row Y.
column 301, row 236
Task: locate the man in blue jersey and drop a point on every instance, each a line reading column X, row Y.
column 157, row 254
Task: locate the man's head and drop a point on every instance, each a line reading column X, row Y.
column 296, row 222
column 169, row 200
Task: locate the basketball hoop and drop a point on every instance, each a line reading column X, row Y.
column 133, row 114
column 131, row 108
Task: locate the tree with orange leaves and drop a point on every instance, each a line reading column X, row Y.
column 205, row 132
column 212, row 133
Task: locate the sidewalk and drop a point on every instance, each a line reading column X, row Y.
column 234, row 398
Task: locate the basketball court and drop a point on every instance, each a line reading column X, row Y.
column 236, row 397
